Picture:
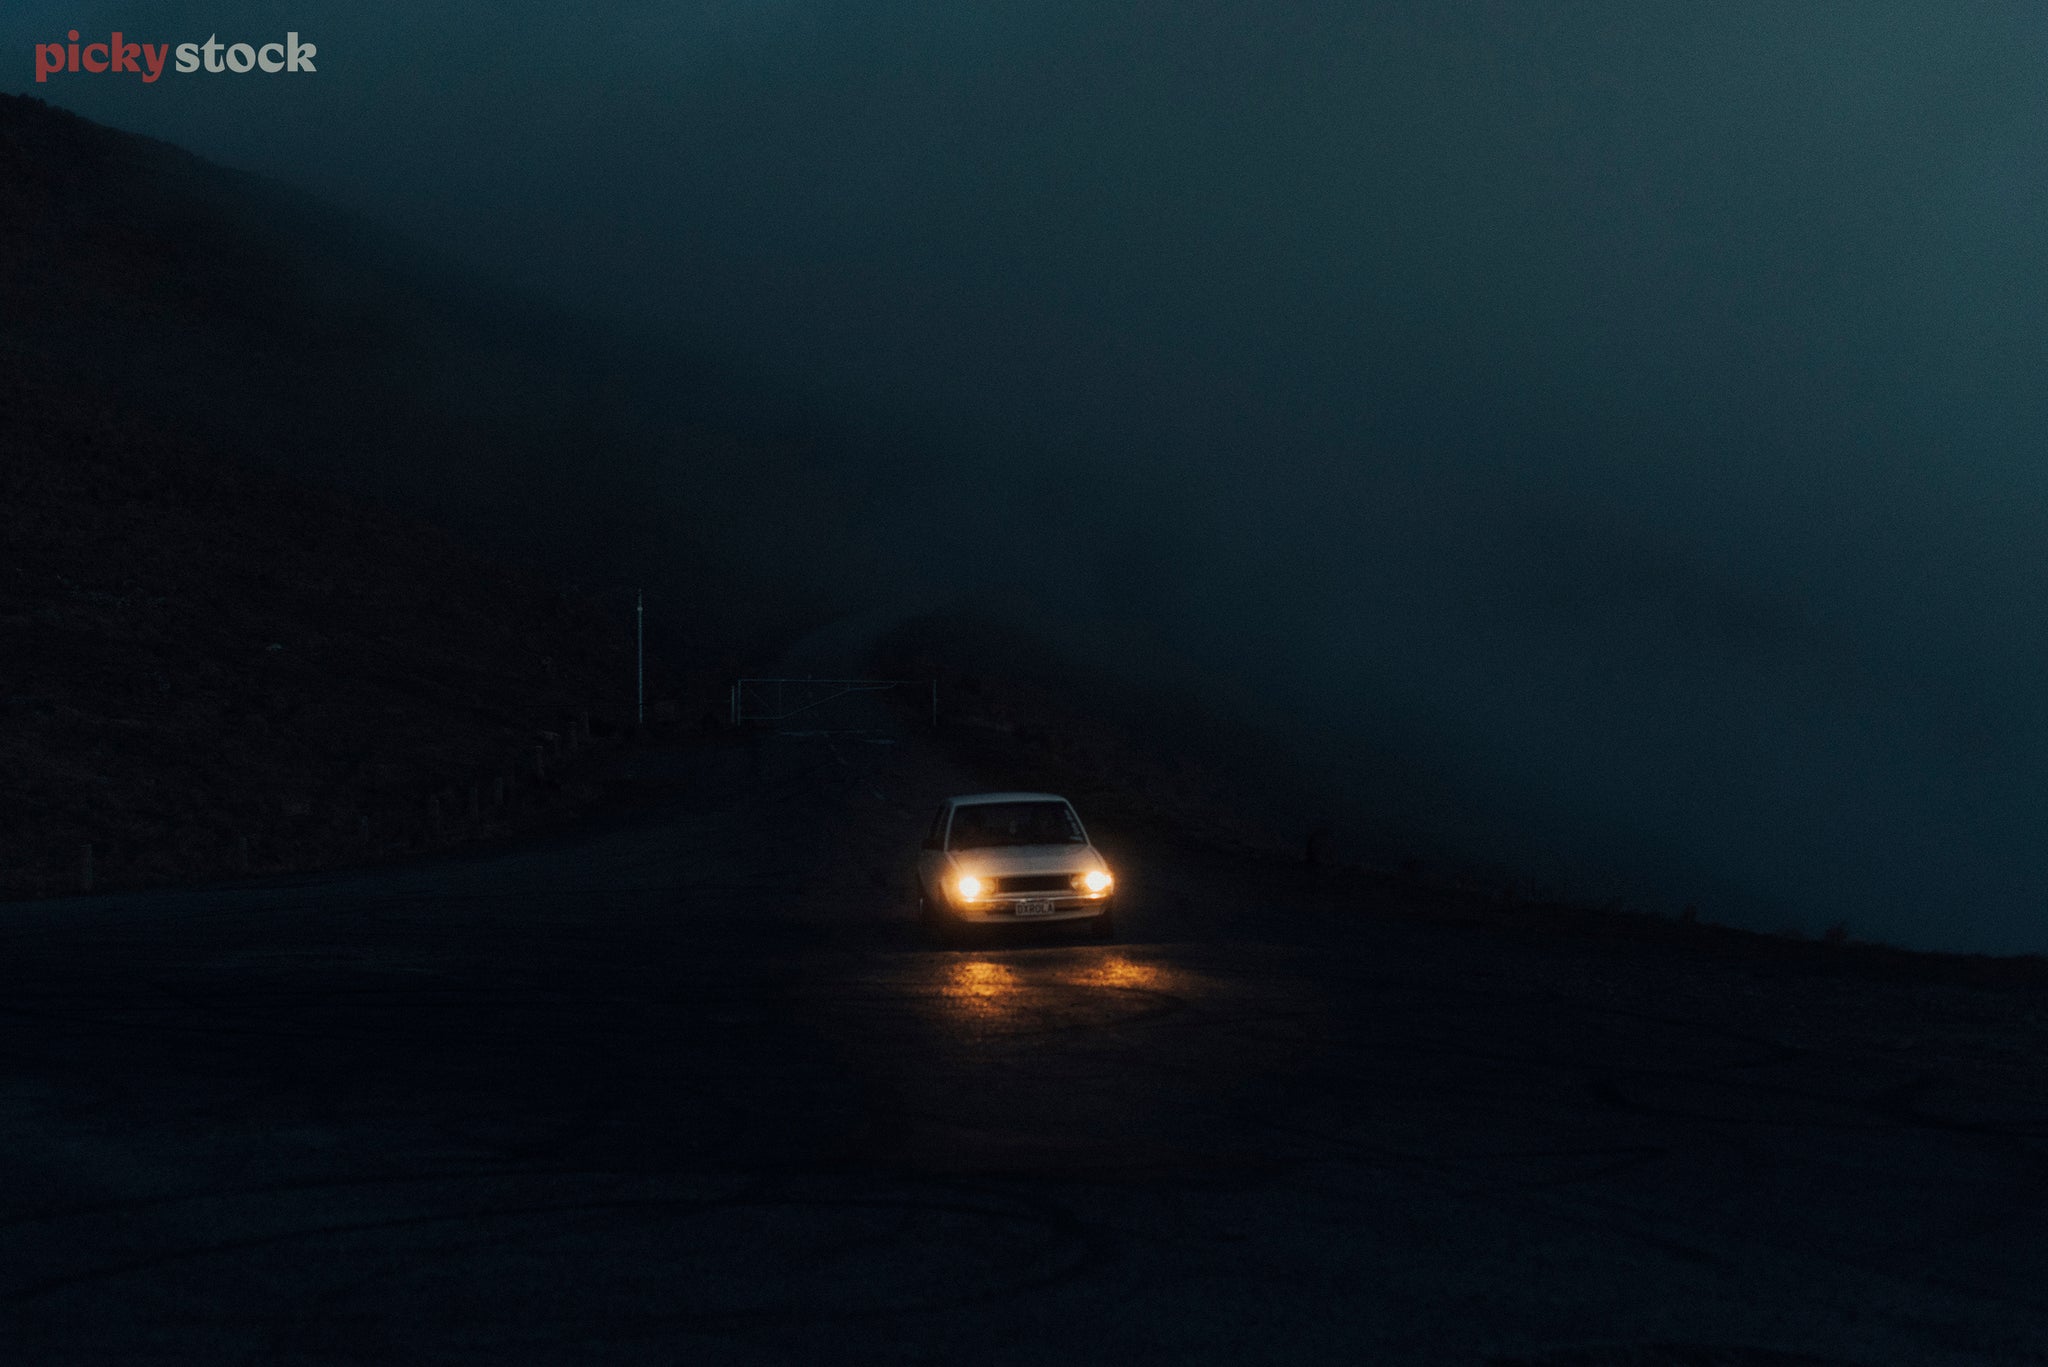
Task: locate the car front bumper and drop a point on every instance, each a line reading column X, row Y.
column 1005, row 910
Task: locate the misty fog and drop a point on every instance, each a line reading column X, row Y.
column 1629, row 416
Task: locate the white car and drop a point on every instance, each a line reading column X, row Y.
column 1010, row 858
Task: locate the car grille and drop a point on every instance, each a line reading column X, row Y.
column 1035, row 882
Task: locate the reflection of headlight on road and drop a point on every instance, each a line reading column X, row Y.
column 969, row 887
column 1116, row 970
column 980, row 986
column 1096, row 881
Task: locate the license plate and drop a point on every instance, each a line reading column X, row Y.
column 1036, row 906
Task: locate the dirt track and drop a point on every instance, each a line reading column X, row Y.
column 690, row 1087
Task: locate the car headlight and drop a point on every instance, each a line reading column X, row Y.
column 1096, row 880
column 969, row 887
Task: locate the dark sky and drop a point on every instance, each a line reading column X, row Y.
column 1634, row 410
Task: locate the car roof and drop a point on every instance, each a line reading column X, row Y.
column 976, row 799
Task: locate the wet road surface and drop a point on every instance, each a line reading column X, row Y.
column 692, row 1088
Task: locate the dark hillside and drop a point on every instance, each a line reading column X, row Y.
column 306, row 541
column 262, row 325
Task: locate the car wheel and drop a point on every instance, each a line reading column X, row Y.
column 1103, row 927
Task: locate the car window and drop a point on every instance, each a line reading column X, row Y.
column 981, row 825
column 937, row 831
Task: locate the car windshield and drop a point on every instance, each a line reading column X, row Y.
column 982, row 824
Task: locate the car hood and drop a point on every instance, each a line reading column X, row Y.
column 1001, row 860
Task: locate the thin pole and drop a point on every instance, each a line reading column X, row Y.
column 640, row 656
